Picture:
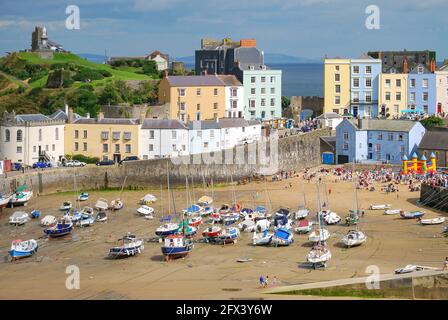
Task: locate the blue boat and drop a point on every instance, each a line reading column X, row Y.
column 282, row 237
column 176, row 246
column 22, row 249
column 260, row 209
column 61, row 229
column 83, row 196
column 411, row 214
column 35, row 214
column 229, row 235
column 167, row 229
column 192, row 210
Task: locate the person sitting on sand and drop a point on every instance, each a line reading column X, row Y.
column 266, row 282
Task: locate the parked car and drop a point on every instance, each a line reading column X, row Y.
column 105, row 163
column 75, row 163
column 16, row 166
column 41, row 164
column 130, row 158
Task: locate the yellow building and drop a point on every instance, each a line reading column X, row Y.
column 337, row 85
column 393, row 93
column 105, row 138
column 193, row 97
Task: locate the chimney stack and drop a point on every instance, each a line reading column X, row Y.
column 142, row 116
column 69, row 114
column 405, row 65
column 432, row 66
column 359, row 123
column 100, row 115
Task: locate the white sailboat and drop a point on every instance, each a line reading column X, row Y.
column 354, row 237
column 319, row 255
column 303, row 212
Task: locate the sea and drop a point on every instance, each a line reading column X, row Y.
column 298, row 79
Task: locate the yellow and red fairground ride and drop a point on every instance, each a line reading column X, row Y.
column 421, row 166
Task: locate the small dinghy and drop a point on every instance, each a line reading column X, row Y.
column 176, row 246
column 128, row 246
column 262, row 238
column 148, row 199
column 195, row 221
column 392, row 211
column 282, row 237
column 212, row 232
column 354, row 238
column 303, row 226
column 62, row 228
column 229, row 235
column 331, row 218
column 319, row 235
column 194, row 209
column 319, row 255
column 101, row 216
column 352, row 218
column 411, row 214
column 18, row 218
column 438, row 220
column 22, row 249
column 116, row 204
column 48, row 221
column 84, row 196
column 102, row 204
column 301, row 213
column 35, row 214
column 146, row 211
column 167, row 229
column 379, row 206
column 66, row 206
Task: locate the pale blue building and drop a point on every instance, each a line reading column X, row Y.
column 422, row 91
column 375, row 140
column 364, row 76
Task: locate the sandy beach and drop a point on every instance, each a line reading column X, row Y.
column 211, row 271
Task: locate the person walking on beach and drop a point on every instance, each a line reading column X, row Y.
column 266, row 282
column 261, row 281
column 445, row 265
column 362, row 213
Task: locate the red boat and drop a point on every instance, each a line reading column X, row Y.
column 195, row 221
column 212, row 232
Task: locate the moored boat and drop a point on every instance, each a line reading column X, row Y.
column 144, row 210
column 392, row 211
column 66, row 206
column 262, row 238
column 331, row 217
column 411, row 214
column 301, row 213
column 62, row 228
column 212, row 232
column 195, row 221
column 48, row 220
column 4, row 200
column 379, row 206
column 319, row 235
column 20, row 197
column 282, row 237
column 116, row 204
column 176, row 246
column 319, row 255
column 167, row 229
column 438, row 220
column 22, row 249
column 303, row 226
column 148, row 199
column 102, row 204
column 354, row 238
column 101, row 216
column 229, row 235
column 84, row 196
column 128, row 246
column 18, row 218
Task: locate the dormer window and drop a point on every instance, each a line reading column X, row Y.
column 420, row 69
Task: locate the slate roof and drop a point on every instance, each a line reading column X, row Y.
column 222, row 123
column 106, row 121
column 229, row 80
column 329, row 115
column 385, row 125
column 434, row 140
column 61, row 115
column 194, row 81
column 162, row 124
column 31, row 117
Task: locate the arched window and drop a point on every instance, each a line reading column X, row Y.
column 7, row 135
column 57, row 133
column 40, row 134
column 19, row 136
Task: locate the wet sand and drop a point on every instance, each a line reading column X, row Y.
column 211, row 271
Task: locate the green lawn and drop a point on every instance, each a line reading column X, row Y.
column 34, row 58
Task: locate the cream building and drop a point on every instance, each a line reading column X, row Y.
column 191, row 98
column 442, row 89
column 105, row 138
column 337, row 85
column 28, row 138
column 393, row 92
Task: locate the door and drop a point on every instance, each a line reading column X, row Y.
column 342, row 159
column 117, row 157
column 439, row 108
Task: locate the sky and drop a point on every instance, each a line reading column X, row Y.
column 303, row 28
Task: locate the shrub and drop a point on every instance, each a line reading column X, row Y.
column 88, row 74
column 82, row 158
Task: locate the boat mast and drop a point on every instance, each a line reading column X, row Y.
column 319, row 211
column 304, row 197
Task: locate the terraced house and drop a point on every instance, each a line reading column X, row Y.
column 422, row 90
column 337, row 86
column 202, row 97
column 393, row 92
column 105, row 138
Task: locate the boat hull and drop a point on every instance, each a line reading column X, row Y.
column 165, row 233
column 119, row 252
column 176, row 252
column 18, row 254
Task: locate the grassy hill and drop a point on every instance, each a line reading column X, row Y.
column 30, row 83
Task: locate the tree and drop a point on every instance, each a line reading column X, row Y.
column 432, row 121
column 285, row 102
column 109, row 95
